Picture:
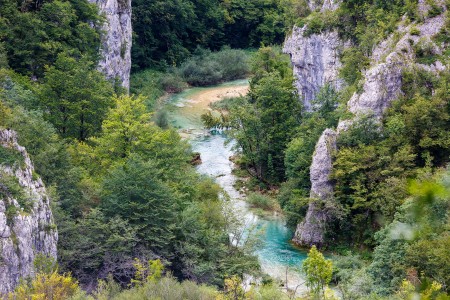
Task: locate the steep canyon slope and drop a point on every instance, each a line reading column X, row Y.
column 27, row 228
column 315, row 61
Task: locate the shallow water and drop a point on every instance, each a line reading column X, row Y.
column 276, row 255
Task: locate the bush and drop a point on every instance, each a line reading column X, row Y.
column 46, row 286
column 147, row 83
column 211, row 68
column 10, row 157
column 233, row 63
column 261, row 201
column 172, row 83
column 318, row 22
column 424, row 51
column 201, row 72
column 228, row 103
column 353, row 62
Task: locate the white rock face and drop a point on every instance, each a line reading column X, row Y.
column 311, row 230
column 315, row 59
column 323, row 4
column 383, row 81
column 382, row 85
column 23, row 234
column 115, row 61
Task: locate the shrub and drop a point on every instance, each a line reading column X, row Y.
column 424, row 51
column 414, row 30
column 46, row 286
column 261, row 201
column 353, row 62
column 171, row 82
column 233, row 63
column 10, row 187
column 435, row 9
column 10, row 157
column 211, row 68
column 228, row 103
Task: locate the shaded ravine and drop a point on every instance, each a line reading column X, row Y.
column 276, row 255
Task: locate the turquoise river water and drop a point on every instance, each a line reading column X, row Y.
column 277, row 256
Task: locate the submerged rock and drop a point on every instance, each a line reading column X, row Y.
column 26, row 222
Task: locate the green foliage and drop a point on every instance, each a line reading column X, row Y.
column 413, row 246
column 93, row 246
column 261, row 201
column 318, row 271
column 425, row 53
column 435, row 9
column 264, row 125
column 134, row 193
column 167, row 287
column 44, row 264
column 364, row 131
column 227, row 104
column 35, row 35
column 299, row 152
column 353, row 62
column 10, row 187
column 208, row 68
column 11, row 157
column 374, row 163
column 148, row 83
column 46, row 286
column 168, row 32
column 151, row 271
column 317, row 23
column 75, row 97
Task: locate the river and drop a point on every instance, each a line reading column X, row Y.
column 276, row 255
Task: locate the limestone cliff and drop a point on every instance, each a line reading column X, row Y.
column 311, row 230
column 315, row 59
column 115, row 61
column 26, row 221
column 382, row 85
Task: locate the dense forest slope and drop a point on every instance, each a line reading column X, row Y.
column 349, row 134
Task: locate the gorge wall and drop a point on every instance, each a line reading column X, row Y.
column 315, row 61
column 115, row 60
column 26, row 222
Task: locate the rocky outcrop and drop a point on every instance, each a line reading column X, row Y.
column 115, row 61
column 311, row 230
column 26, row 221
column 315, row 58
column 382, row 85
column 323, row 4
column 383, row 80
